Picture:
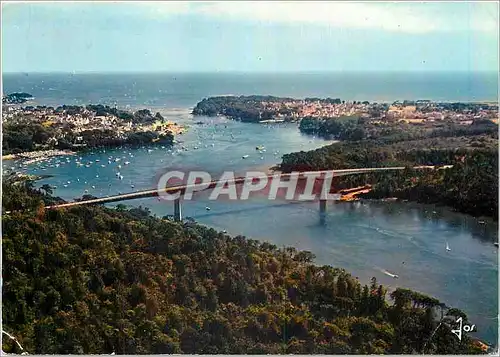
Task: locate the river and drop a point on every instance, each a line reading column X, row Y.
column 366, row 238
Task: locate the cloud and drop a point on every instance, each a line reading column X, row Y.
column 410, row 17
column 484, row 17
column 398, row 17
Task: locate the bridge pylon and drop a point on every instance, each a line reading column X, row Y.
column 322, row 206
column 322, row 211
column 177, row 210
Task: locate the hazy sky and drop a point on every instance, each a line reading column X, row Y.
column 235, row 36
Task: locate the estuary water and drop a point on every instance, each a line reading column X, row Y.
column 366, row 238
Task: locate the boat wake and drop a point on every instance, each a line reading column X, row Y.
column 392, row 234
column 395, row 276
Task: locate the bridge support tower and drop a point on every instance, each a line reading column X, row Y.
column 322, row 211
column 322, row 206
column 177, row 210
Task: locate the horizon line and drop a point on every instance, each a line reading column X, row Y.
column 244, row 72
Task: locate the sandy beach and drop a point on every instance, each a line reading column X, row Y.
column 9, row 157
column 43, row 154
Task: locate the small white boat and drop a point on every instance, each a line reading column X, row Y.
column 207, row 208
column 132, row 186
column 447, row 247
column 391, row 275
column 93, row 186
column 119, row 166
column 127, row 162
column 244, row 156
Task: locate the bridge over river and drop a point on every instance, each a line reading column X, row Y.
column 181, row 189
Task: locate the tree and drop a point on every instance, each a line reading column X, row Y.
column 47, row 189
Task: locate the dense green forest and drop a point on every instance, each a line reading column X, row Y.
column 98, row 280
column 470, row 186
column 354, row 128
column 343, row 128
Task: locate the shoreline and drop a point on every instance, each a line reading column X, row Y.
column 37, row 155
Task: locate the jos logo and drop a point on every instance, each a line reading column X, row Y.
column 462, row 327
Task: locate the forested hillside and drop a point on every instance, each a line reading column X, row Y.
column 470, row 186
column 98, row 280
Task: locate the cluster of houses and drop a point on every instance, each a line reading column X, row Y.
column 301, row 108
column 431, row 112
column 410, row 112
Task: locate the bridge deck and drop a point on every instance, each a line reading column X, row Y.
column 201, row 187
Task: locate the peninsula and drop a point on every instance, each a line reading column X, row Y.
column 32, row 129
column 16, row 98
column 407, row 133
column 258, row 108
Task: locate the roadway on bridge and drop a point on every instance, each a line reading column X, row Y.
column 239, row 180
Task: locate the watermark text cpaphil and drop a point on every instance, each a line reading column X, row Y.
column 301, row 186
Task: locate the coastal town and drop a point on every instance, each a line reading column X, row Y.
column 33, row 131
column 274, row 109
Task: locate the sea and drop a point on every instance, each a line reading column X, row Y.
column 369, row 239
